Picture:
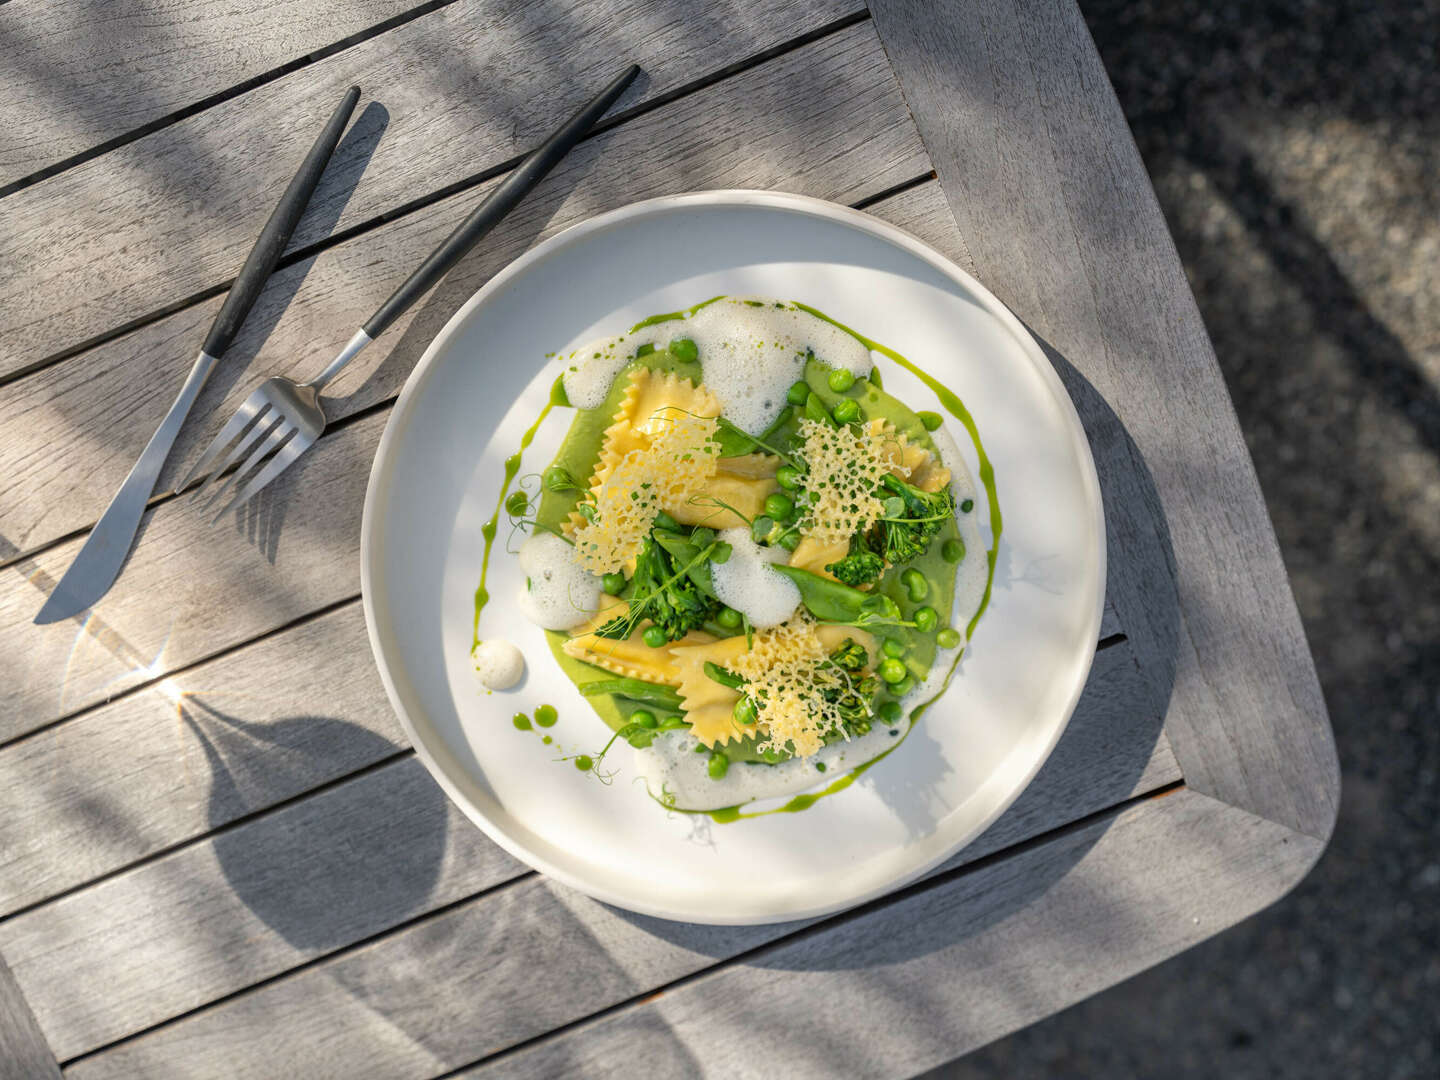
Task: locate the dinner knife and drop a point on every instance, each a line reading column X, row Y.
column 99, row 562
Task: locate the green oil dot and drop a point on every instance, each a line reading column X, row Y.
column 546, row 715
column 546, row 739
column 583, row 763
column 521, row 721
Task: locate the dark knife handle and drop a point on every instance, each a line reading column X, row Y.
column 270, row 245
column 500, row 202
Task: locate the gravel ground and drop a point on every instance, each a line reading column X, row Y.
column 1295, row 148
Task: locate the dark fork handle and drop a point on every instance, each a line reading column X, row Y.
column 270, row 244
column 500, row 202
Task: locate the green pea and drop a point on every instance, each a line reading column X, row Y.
column 718, row 767
column 729, row 618
column 892, row 647
column 644, row 350
column 953, row 550
column 517, row 504
column 892, row 670
column 655, row 637
column 558, row 479
column 903, row 687
column 930, row 420
column 846, row 411
column 744, row 711
column 780, row 507
column 926, row 619
column 798, row 393
column 948, row 638
column 721, row 554
column 684, row 349
column 790, row 539
column 891, row 712
column 915, row 584
column 788, row 477
column 670, row 723
column 760, row 528
column 645, row 718
column 840, row 380
column 772, row 756
column 967, row 505
column 613, row 583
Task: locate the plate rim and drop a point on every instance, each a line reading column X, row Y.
column 804, row 204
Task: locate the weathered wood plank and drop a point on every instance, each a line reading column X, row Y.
column 955, row 964
column 77, row 75
column 291, row 711
column 181, row 915
column 465, row 88
column 23, row 1052
column 194, row 591
column 74, row 430
column 254, row 901
column 1028, row 933
column 1053, row 200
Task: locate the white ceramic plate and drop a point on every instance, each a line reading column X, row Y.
column 435, row 481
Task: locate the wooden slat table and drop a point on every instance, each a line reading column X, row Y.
column 218, row 856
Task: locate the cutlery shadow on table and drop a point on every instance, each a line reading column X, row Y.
column 1109, row 742
column 521, row 229
column 318, row 877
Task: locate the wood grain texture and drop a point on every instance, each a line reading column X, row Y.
column 285, row 557
column 23, row 1052
column 79, row 74
column 955, row 964
column 459, row 90
column 826, row 120
column 1050, row 193
column 492, row 972
column 252, row 902
column 213, row 743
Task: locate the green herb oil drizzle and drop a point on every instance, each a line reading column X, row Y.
column 512, row 469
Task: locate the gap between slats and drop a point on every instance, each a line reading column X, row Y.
column 458, row 187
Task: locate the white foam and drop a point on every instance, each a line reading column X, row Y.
column 750, row 353
column 593, row 368
column 498, row 664
column 676, row 773
column 559, row 594
column 749, row 583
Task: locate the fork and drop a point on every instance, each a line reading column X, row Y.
column 282, row 418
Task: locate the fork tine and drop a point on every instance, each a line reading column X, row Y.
column 264, row 422
column 237, row 425
column 265, row 436
column 289, row 450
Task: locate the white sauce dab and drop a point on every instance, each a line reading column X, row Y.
column 559, row 594
column 498, row 664
column 752, row 350
column 749, row 583
column 677, row 775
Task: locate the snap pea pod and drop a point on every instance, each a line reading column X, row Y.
column 832, row 601
column 636, row 690
column 723, row 677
